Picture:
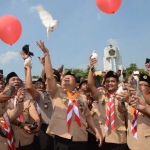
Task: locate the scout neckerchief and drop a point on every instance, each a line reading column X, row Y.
column 110, row 114
column 10, row 139
column 134, row 123
column 20, row 118
column 72, row 106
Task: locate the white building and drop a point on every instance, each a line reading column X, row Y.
column 112, row 59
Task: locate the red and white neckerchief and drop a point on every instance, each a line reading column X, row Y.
column 72, row 106
column 10, row 139
column 20, row 118
column 134, row 123
column 110, row 113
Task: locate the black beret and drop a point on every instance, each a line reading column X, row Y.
column 144, row 77
column 56, row 75
column 84, row 81
column 112, row 74
column 72, row 74
column 10, row 75
column 40, row 80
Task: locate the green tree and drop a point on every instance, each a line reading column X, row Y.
column 35, row 77
column 133, row 67
column 78, row 72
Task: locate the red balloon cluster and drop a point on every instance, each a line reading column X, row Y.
column 10, row 29
column 108, row 6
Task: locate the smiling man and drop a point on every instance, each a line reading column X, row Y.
column 112, row 116
column 21, row 122
column 70, row 112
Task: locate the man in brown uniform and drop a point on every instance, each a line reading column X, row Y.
column 21, row 125
column 138, row 136
column 70, row 112
column 42, row 97
column 83, row 88
column 6, row 135
column 112, row 116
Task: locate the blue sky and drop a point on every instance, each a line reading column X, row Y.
column 82, row 29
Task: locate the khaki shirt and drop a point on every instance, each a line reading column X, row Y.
column 19, row 134
column 10, row 115
column 95, row 114
column 3, row 140
column 45, row 105
column 143, row 132
column 117, row 136
column 58, row 124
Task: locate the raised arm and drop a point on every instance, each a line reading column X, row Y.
column 18, row 109
column 94, row 91
column 42, row 60
column 51, row 82
column 28, row 83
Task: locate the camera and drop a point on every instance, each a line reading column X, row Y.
column 34, row 126
column 11, row 90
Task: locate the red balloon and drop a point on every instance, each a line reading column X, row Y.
column 10, row 29
column 108, row 6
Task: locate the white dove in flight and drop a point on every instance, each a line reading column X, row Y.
column 47, row 19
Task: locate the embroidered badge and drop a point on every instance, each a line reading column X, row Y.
column 103, row 102
column 81, row 105
column 64, row 100
column 26, row 110
column 45, row 106
column 144, row 77
column 114, row 73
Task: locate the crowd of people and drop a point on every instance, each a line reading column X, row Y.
column 58, row 113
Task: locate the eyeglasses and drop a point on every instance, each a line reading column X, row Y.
column 144, row 85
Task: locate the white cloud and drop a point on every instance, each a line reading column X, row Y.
column 113, row 42
column 8, row 56
column 14, row 2
column 98, row 17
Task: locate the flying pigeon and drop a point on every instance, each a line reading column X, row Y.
column 47, row 19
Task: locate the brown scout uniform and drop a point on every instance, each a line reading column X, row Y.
column 12, row 114
column 118, row 136
column 20, row 135
column 45, row 105
column 58, row 124
column 95, row 114
column 143, row 132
